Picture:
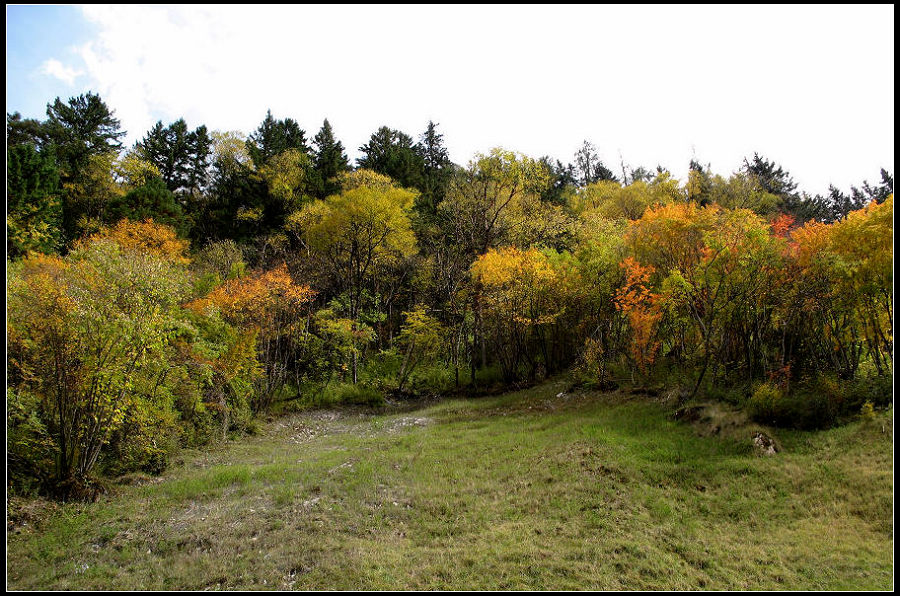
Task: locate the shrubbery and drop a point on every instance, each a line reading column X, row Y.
column 311, row 285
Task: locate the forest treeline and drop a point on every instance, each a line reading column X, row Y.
column 168, row 294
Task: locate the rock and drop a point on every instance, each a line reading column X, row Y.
column 764, row 444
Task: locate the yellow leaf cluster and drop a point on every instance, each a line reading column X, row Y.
column 157, row 239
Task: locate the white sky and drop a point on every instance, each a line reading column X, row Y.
column 811, row 87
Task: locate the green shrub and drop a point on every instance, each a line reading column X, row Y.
column 767, row 404
column 434, row 378
column 815, row 406
column 30, row 450
column 360, row 395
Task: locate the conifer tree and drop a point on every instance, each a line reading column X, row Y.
column 329, row 161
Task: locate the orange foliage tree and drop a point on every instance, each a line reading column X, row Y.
column 274, row 308
column 643, row 309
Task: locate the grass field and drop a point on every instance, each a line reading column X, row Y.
column 528, row 490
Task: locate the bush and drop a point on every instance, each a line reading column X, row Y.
column 432, row 379
column 30, row 450
column 360, row 395
column 814, row 407
column 767, row 404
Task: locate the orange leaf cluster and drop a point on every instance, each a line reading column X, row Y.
column 257, row 300
column 642, row 307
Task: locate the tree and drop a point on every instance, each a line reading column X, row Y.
column 643, row 309
column 232, row 208
column 180, row 155
column 771, row 177
column 588, row 167
column 26, row 131
column 270, row 306
column 420, row 339
column 357, row 232
column 329, row 161
column 521, row 294
column 274, row 137
column 152, row 200
column 714, row 269
column 839, row 204
column 437, row 168
column 611, row 200
column 743, row 191
column 391, row 152
column 83, row 328
column 563, row 182
column 33, row 207
column 82, row 130
column 699, row 183
column 490, row 201
column 775, row 180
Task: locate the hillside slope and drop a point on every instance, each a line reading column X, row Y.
column 529, row 490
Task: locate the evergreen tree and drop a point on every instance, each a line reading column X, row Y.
column 563, row 181
column 26, row 131
column 329, row 161
column 838, row 204
column 391, row 152
column 273, row 137
column 771, row 177
column 83, row 127
column 77, row 131
column 588, row 168
column 33, row 207
column 437, row 168
column 181, row 155
column 152, row 200
column 775, row 180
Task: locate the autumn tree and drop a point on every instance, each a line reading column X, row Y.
column 272, row 307
column 82, row 329
column 613, row 201
column 643, row 309
column 358, row 232
column 522, row 294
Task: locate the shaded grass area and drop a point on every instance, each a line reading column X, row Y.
column 528, row 490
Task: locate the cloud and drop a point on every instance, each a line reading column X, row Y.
column 652, row 85
column 55, row 68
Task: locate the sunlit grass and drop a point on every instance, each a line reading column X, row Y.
column 521, row 491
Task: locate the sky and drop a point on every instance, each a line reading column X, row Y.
column 809, row 87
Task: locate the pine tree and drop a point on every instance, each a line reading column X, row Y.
column 33, row 208
column 83, row 127
column 329, row 161
column 273, row 137
column 77, row 131
column 437, row 167
column 391, row 152
column 152, row 200
column 181, row 155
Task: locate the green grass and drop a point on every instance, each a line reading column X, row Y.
column 525, row 490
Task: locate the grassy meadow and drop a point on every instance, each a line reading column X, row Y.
column 536, row 489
